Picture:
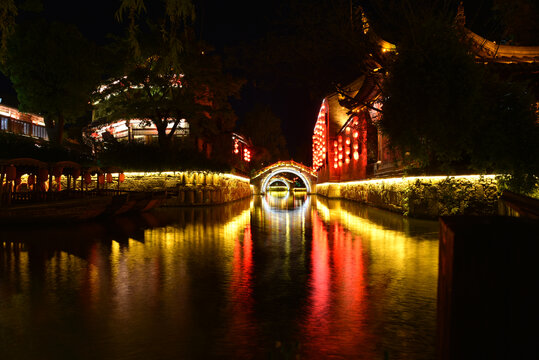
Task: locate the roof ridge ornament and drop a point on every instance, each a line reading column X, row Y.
column 460, row 19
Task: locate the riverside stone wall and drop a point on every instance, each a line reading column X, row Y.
column 191, row 188
column 183, row 187
column 425, row 197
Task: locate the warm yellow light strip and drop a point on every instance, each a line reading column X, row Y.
column 175, row 173
column 409, row 179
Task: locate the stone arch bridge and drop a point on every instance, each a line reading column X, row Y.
column 263, row 178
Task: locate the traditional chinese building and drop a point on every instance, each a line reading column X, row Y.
column 132, row 130
column 348, row 144
column 20, row 123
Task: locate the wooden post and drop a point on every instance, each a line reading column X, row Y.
column 50, row 183
column 487, row 288
column 1, row 185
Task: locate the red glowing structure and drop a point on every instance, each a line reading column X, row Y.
column 241, row 148
column 347, row 142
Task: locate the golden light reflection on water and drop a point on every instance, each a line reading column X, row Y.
column 402, row 257
column 335, row 278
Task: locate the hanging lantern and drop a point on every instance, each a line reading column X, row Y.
column 101, row 179
column 109, row 178
column 121, row 177
column 31, row 179
column 87, row 178
column 75, row 173
column 11, row 173
column 356, row 155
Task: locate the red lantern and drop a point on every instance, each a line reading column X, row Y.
column 109, row 178
column 87, row 178
column 75, row 173
column 121, row 177
column 11, row 173
column 31, row 179
column 42, row 175
column 101, row 179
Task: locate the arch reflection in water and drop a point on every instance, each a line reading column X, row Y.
column 277, row 276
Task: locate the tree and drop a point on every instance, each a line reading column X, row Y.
column 170, row 76
column 432, row 95
column 443, row 111
column 8, row 13
column 54, row 70
column 519, row 20
column 264, row 130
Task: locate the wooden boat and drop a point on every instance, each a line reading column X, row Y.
column 141, row 201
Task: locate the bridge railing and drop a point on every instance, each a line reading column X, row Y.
column 290, row 163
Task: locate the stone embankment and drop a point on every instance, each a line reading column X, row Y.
column 424, row 197
column 186, row 188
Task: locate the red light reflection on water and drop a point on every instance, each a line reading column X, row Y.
column 335, row 321
column 242, row 329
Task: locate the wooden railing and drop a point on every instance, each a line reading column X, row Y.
column 21, row 127
column 513, row 204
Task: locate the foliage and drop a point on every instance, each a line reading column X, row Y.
column 445, row 112
column 178, row 14
column 432, row 93
column 170, row 77
column 264, row 130
column 451, row 196
column 8, row 13
column 151, row 157
column 429, row 198
column 54, row 70
column 519, row 20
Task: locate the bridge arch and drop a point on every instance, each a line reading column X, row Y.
column 274, row 180
column 262, row 179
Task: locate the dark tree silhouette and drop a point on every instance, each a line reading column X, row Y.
column 54, row 70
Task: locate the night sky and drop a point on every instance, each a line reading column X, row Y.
column 223, row 24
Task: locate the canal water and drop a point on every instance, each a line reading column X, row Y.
column 273, row 277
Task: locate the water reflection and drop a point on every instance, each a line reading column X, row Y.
column 277, row 276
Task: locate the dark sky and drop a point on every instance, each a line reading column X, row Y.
column 223, row 24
